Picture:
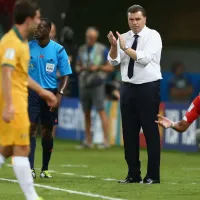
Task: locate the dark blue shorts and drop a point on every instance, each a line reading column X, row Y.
column 38, row 109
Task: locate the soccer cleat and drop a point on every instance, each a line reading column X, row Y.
column 45, row 174
column 33, row 173
column 103, row 146
column 85, row 146
column 39, row 198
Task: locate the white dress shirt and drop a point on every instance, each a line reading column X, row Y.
column 147, row 65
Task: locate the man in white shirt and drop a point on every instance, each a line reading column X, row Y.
column 138, row 52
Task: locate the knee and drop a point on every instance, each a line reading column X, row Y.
column 21, row 151
column 47, row 138
column 7, row 151
column 47, row 132
column 33, row 130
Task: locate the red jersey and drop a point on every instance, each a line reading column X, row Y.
column 193, row 111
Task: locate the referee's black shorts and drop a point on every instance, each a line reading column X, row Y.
column 38, row 109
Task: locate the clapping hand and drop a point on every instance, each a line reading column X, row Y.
column 112, row 39
column 122, row 42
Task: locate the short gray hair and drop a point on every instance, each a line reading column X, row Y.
column 92, row 28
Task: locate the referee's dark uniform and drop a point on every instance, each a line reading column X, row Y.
column 140, row 99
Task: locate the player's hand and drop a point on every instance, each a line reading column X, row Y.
column 59, row 98
column 122, row 42
column 93, row 68
column 112, row 39
column 49, row 97
column 164, row 122
column 8, row 113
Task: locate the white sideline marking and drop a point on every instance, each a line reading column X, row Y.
column 72, row 174
column 83, row 176
column 69, row 165
column 52, row 171
column 88, row 176
column 66, row 190
column 109, row 179
column 105, row 179
column 69, row 174
column 191, row 169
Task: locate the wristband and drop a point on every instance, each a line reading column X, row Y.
column 172, row 124
column 125, row 48
column 60, row 92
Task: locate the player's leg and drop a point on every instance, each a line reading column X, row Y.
column 34, row 114
column 54, row 131
column 2, row 157
column 21, row 167
column 17, row 136
column 5, row 152
column 98, row 97
column 149, row 107
column 86, row 101
column 5, row 141
column 48, row 120
column 47, row 148
column 33, row 131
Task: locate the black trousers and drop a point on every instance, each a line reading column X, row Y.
column 139, row 108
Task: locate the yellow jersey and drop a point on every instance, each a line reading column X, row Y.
column 14, row 52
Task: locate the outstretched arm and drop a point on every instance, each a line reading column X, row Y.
column 180, row 126
column 191, row 115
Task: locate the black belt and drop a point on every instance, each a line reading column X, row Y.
column 133, row 84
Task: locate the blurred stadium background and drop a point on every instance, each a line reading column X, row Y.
column 96, row 171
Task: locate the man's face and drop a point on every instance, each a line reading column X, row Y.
column 91, row 37
column 42, row 31
column 34, row 22
column 136, row 21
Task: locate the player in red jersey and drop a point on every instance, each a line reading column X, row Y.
column 191, row 115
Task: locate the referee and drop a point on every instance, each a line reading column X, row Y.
column 47, row 56
column 138, row 52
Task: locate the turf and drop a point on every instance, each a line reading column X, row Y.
column 180, row 175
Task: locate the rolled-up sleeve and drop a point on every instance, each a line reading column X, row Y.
column 152, row 47
column 117, row 60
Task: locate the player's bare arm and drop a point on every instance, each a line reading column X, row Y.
column 62, row 87
column 8, row 113
column 191, row 115
column 180, row 126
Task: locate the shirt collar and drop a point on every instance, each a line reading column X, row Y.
column 15, row 29
column 141, row 33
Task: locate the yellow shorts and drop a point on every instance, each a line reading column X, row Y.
column 16, row 132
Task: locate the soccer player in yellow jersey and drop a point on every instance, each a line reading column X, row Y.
column 14, row 79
